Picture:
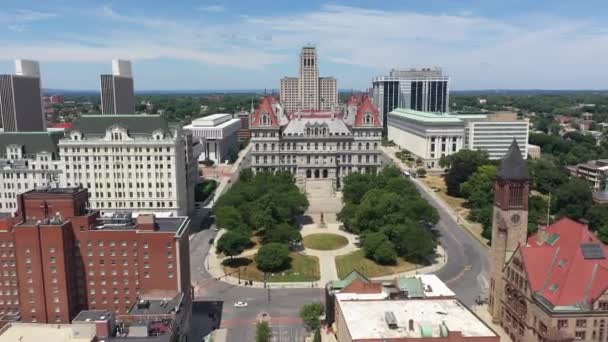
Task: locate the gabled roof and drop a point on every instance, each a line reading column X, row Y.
column 134, row 123
column 558, row 268
column 344, row 282
column 513, row 166
column 265, row 107
column 362, row 287
column 363, row 109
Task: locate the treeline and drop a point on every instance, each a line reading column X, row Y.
column 471, row 176
column 390, row 216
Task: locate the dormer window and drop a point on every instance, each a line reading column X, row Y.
column 368, row 119
column 265, row 119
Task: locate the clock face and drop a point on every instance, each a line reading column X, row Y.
column 515, row 218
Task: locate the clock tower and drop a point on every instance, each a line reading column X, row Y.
column 509, row 221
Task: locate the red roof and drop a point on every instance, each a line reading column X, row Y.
column 557, row 268
column 65, row 125
column 364, row 108
column 265, row 107
column 361, row 287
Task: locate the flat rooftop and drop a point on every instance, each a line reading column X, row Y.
column 36, row 332
column 213, row 121
column 92, row 316
column 157, row 306
column 126, row 221
column 366, row 319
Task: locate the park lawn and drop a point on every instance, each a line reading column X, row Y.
column 357, row 261
column 324, row 241
column 303, row 268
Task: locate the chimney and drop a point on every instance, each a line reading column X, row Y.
column 146, row 222
column 542, row 235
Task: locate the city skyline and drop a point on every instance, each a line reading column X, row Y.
column 234, row 45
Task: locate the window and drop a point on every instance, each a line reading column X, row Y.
column 580, row 335
column 562, row 323
column 581, row 323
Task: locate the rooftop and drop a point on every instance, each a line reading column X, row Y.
column 36, row 332
column 157, row 306
column 32, row 142
column 426, row 116
column 513, row 166
column 297, row 126
column 214, row 120
column 128, row 221
column 430, row 318
column 134, row 123
column 93, row 315
column 566, row 265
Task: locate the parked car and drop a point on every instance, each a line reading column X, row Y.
column 240, row 304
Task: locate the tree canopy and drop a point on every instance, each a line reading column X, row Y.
column 461, row 166
column 310, row 313
column 233, row 242
column 390, row 215
column 273, row 257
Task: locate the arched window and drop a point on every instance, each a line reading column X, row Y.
column 367, row 146
column 264, row 147
column 316, row 146
column 368, row 119
column 265, row 120
column 257, row 147
column 308, row 131
column 359, row 146
column 375, row 146
column 308, row 173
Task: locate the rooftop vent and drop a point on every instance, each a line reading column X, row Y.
column 391, row 320
column 143, row 304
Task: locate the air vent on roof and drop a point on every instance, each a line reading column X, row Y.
column 390, row 319
column 592, row 251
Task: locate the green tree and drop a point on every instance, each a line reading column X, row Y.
column 412, row 241
column 546, row 176
column 229, row 217
column 233, row 243
column 597, row 216
column 378, row 247
column 310, row 313
column 461, row 166
column 273, row 257
column 572, row 199
column 282, row 233
column 478, row 190
column 263, row 333
column 421, row 172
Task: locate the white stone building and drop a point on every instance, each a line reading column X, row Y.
column 27, row 160
column 430, row 136
column 309, row 91
column 130, row 162
column 218, row 136
column 316, row 145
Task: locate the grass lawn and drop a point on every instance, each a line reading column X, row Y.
column 303, row 268
column 324, row 241
column 357, row 261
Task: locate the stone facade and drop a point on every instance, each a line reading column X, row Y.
column 309, row 91
column 314, row 144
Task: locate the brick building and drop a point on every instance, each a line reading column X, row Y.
column 551, row 286
column 58, row 257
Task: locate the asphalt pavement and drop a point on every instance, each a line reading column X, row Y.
column 467, row 269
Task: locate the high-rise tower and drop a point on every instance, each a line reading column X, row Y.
column 510, row 220
column 117, row 93
column 309, row 91
column 21, row 100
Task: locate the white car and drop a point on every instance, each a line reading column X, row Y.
column 240, row 304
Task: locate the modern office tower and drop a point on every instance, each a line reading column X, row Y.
column 309, row 91
column 61, row 257
column 131, row 162
column 424, row 90
column 117, row 93
column 21, row 99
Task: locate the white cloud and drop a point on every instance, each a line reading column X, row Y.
column 478, row 51
column 212, row 8
column 18, row 20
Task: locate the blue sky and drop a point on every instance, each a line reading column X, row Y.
column 188, row 44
